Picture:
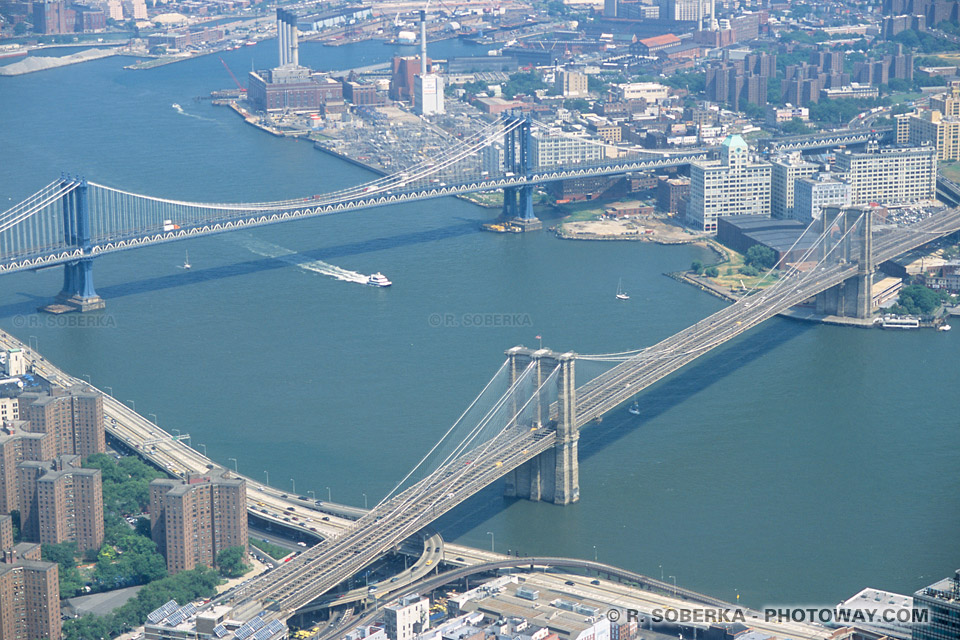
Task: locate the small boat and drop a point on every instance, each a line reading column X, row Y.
column 177, row 106
column 186, row 260
column 621, row 294
column 943, row 327
column 634, row 409
column 378, row 280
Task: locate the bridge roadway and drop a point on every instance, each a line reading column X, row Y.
column 194, row 219
column 294, row 585
column 616, row 591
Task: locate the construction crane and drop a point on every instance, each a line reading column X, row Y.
column 237, row 82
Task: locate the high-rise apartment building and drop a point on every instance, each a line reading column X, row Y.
column 29, row 601
column 942, row 601
column 735, row 185
column 939, row 126
column 74, row 416
column 890, row 176
column 785, row 171
column 61, row 502
column 193, row 520
column 18, row 445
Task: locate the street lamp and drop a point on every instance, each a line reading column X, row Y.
column 674, row 585
column 154, row 418
column 268, row 475
column 661, row 573
column 111, row 390
column 178, row 433
column 87, row 376
column 133, row 405
column 492, row 539
column 31, row 340
column 364, row 501
column 204, row 448
column 594, row 553
column 313, row 494
column 235, row 465
column 329, row 499
column 294, row 483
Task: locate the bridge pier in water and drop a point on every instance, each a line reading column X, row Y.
column 852, row 298
column 518, row 160
column 78, row 293
column 554, row 475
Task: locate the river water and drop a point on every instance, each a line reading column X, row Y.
column 795, row 465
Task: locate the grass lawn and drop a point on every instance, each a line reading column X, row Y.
column 951, row 170
column 733, row 280
column 274, row 551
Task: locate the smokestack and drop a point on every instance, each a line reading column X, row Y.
column 700, row 15
column 281, row 50
column 423, row 42
column 294, row 46
column 713, row 14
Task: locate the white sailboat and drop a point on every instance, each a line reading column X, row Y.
column 621, row 294
column 186, row 260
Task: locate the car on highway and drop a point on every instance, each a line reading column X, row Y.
column 569, row 583
column 301, row 544
column 594, row 582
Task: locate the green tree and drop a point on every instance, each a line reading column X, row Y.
column 697, row 267
column 711, row 272
column 231, row 562
column 577, row 104
column 747, row 270
column 795, row 127
column 760, row 257
column 919, row 300
column 64, row 554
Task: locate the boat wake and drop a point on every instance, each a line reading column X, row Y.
column 276, row 252
column 181, row 111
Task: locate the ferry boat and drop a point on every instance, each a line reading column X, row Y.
column 621, row 294
column 943, row 327
column 900, row 322
column 378, row 280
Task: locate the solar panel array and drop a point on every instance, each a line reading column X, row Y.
column 159, row 614
column 269, row 631
column 220, row 631
column 249, row 628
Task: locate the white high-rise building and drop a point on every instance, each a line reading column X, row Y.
column 429, row 94
column 735, row 185
column 785, row 171
column 890, row 176
column 812, row 194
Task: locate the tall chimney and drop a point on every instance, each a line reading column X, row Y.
column 713, row 14
column 423, row 42
column 281, row 49
column 294, row 45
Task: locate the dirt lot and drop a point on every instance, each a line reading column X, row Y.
column 646, row 229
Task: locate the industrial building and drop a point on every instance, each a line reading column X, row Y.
column 890, row 176
column 735, row 185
